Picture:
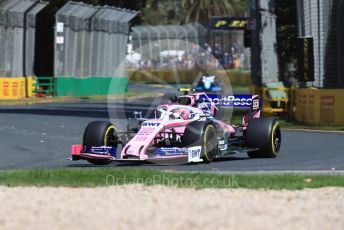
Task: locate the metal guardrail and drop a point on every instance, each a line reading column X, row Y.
column 102, row 34
column 17, row 36
column 44, row 86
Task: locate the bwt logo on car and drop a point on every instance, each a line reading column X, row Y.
column 235, row 100
column 151, row 124
column 195, row 153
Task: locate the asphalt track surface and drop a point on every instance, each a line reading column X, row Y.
column 40, row 136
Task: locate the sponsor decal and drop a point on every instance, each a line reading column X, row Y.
column 151, row 124
column 102, row 150
column 192, row 115
column 141, row 138
column 228, row 23
column 194, row 154
column 143, row 133
column 169, row 151
column 256, row 104
column 240, row 101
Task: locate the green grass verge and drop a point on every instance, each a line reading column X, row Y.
column 286, row 123
column 108, row 177
column 294, row 124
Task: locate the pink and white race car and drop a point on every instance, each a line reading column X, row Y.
column 185, row 130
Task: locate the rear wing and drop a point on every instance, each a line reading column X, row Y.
column 254, row 102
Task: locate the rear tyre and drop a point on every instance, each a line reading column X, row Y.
column 264, row 134
column 99, row 133
column 202, row 134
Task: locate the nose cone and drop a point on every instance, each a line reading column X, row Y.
column 135, row 152
column 207, row 85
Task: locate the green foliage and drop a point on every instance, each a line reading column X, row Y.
column 286, row 30
column 203, row 10
column 184, row 11
column 154, row 12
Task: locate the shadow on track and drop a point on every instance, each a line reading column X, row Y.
column 151, row 164
column 89, row 112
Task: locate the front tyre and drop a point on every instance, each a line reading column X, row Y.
column 99, row 133
column 210, row 143
column 265, row 135
column 202, row 134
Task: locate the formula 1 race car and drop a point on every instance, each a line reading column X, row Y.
column 185, row 130
column 209, row 83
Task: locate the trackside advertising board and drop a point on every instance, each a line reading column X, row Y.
column 229, row 23
column 236, row 101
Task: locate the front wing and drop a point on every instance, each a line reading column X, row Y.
column 191, row 154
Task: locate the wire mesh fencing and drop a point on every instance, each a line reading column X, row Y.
column 323, row 20
column 159, row 45
column 30, row 38
column 91, row 40
column 17, row 36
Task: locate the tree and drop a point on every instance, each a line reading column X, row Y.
column 203, row 10
column 286, row 32
column 162, row 12
column 185, row 11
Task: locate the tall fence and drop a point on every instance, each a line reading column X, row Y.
column 323, row 20
column 30, row 38
column 17, row 36
column 157, row 44
column 91, row 41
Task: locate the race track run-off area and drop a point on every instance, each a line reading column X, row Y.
column 41, row 135
column 151, row 207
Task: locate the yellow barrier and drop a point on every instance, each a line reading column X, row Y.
column 30, row 86
column 12, row 88
column 239, row 78
column 272, row 105
column 319, row 106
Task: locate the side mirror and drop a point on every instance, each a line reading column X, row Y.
column 174, row 99
column 137, row 114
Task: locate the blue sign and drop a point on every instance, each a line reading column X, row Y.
column 102, row 150
column 238, row 101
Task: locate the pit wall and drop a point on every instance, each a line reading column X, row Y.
column 319, row 106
